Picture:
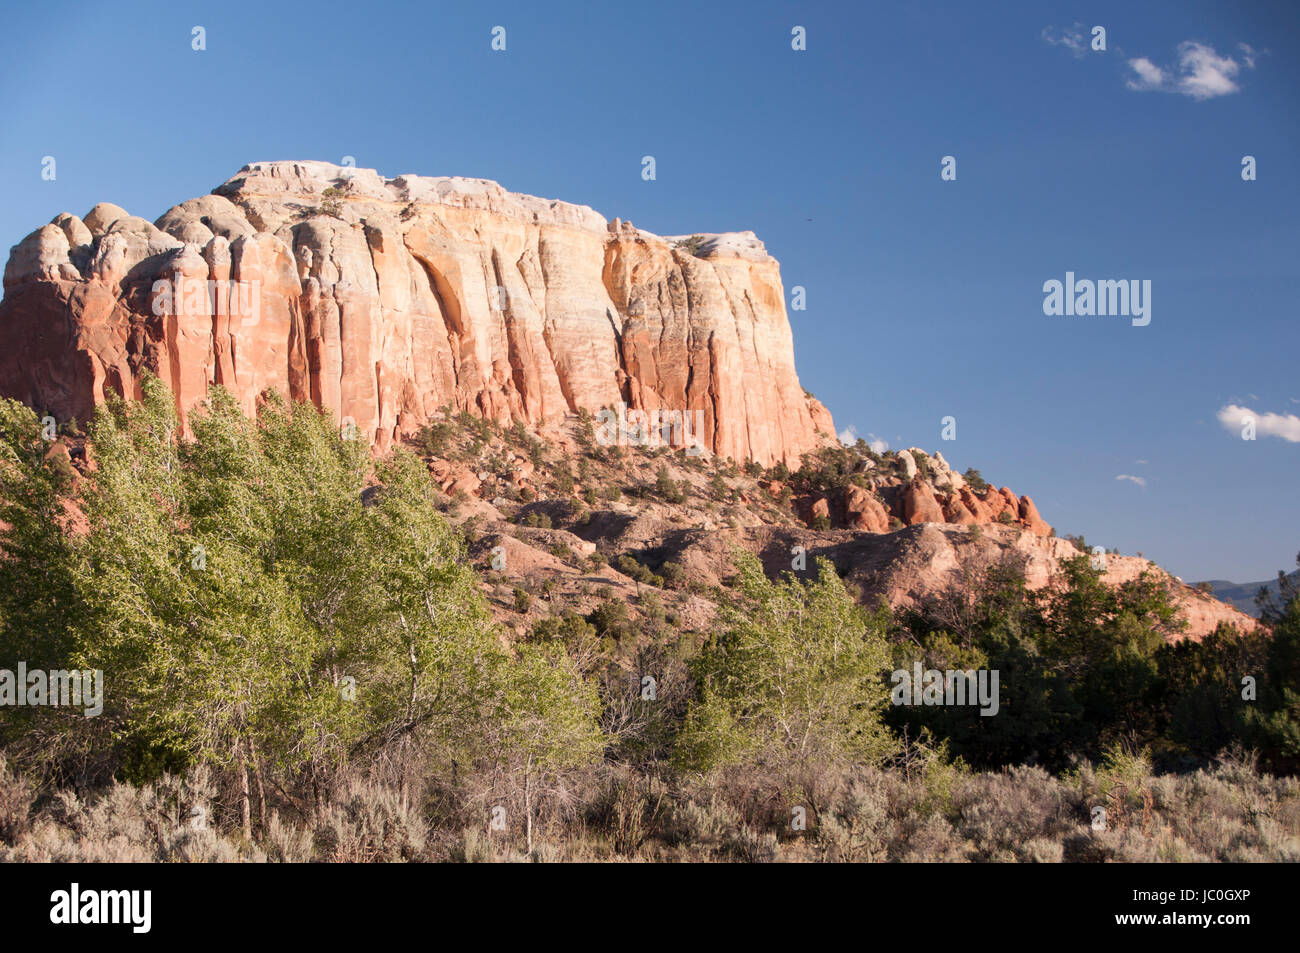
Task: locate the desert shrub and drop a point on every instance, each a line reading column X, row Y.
column 749, row 846
column 674, row 575
column 369, row 823
column 629, row 808
column 475, row 847
column 696, row 245
column 1010, row 815
column 611, row 619
column 172, row 819
column 16, row 797
column 433, row 439
column 916, row 807
column 922, row 466
column 522, row 600
column 331, row 203
column 630, row 566
column 700, row 823
column 286, row 843
column 859, row 827
column 668, row 489
column 570, row 630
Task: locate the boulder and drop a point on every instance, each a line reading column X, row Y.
column 977, row 507
column 1029, row 516
column 956, row 511
column 863, row 511
column 919, row 504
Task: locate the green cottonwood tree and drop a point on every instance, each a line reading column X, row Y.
column 546, row 719
column 796, row 675
column 39, row 600
column 265, row 598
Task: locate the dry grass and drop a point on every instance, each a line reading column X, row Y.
column 938, row 814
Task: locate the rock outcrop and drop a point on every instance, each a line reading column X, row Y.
column 863, row 511
column 920, row 505
column 383, row 300
column 1030, row 518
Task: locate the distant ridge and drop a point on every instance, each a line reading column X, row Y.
column 1242, row 594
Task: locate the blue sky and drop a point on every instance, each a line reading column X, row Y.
column 924, row 296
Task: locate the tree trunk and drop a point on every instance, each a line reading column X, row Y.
column 245, row 799
column 318, row 799
column 403, row 789
column 261, row 789
column 528, row 812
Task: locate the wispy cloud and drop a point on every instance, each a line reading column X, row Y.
column 1071, row 38
column 1140, row 481
column 1201, row 72
column 1286, row 426
column 1149, row 76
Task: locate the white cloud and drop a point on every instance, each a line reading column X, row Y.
column 849, row 436
column 1143, row 462
column 1069, row 37
column 1149, row 76
column 1140, row 481
column 1286, row 426
column 1206, row 74
column 1201, row 72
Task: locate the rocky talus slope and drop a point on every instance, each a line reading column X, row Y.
column 574, row 525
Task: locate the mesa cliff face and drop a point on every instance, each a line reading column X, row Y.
column 383, row 300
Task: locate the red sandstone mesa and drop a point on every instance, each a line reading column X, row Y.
column 387, row 299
